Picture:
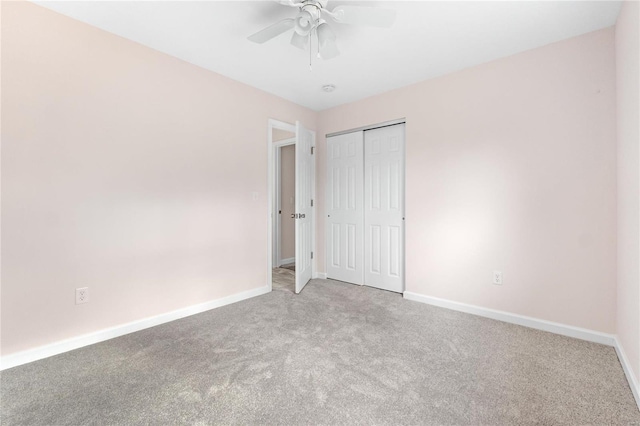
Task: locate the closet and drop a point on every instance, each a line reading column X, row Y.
column 365, row 207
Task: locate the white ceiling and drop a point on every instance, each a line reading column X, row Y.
column 429, row 39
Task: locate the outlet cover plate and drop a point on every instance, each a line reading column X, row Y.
column 497, row 277
column 82, row 295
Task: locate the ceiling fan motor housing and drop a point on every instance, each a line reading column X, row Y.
column 309, row 15
column 319, row 4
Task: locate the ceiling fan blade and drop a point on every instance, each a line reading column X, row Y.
column 272, row 31
column 366, row 16
column 292, row 3
column 299, row 41
column 327, row 42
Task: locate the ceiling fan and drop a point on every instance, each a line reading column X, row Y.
column 310, row 20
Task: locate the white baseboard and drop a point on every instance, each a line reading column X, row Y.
column 56, row 348
column 633, row 382
column 538, row 324
column 320, row 275
column 287, row 261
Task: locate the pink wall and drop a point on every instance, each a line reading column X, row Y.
column 120, row 163
column 1, row 325
column 127, row 171
column 511, row 166
column 628, row 113
column 288, row 185
column 280, row 135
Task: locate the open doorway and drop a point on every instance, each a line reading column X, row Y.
column 285, row 207
column 284, row 237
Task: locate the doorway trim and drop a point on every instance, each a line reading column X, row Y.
column 369, row 127
column 288, row 127
column 277, row 198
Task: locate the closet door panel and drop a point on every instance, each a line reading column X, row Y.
column 384, row 207
column 345, row 210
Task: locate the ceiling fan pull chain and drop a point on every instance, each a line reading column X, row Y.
column 310, row 54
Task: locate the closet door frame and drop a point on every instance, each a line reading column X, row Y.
column 328, row 192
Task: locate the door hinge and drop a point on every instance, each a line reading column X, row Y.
column 311, row 202
column 312, row 255
column 312, row 150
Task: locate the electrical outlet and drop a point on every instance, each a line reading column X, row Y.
column 82, row 295
column 497, row 277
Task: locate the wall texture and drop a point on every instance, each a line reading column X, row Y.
column 628, row 115
column 127, row 171
column 288, row 188
column 511, row 166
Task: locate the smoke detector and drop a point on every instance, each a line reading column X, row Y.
column 328, row 88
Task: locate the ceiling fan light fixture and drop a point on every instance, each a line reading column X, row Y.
column 299, row 41
column 327, row 45
column 304, row 23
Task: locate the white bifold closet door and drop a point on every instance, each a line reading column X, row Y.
column 365, row 207
column 345, row 217
column 384, row 207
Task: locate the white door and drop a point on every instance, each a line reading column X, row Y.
column 384, row 207
column 304, row 208
column 345, row 214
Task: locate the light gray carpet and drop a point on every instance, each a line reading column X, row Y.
column 335, row 354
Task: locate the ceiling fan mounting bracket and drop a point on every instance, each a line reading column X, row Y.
column 319, row 4
column 314, row 7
